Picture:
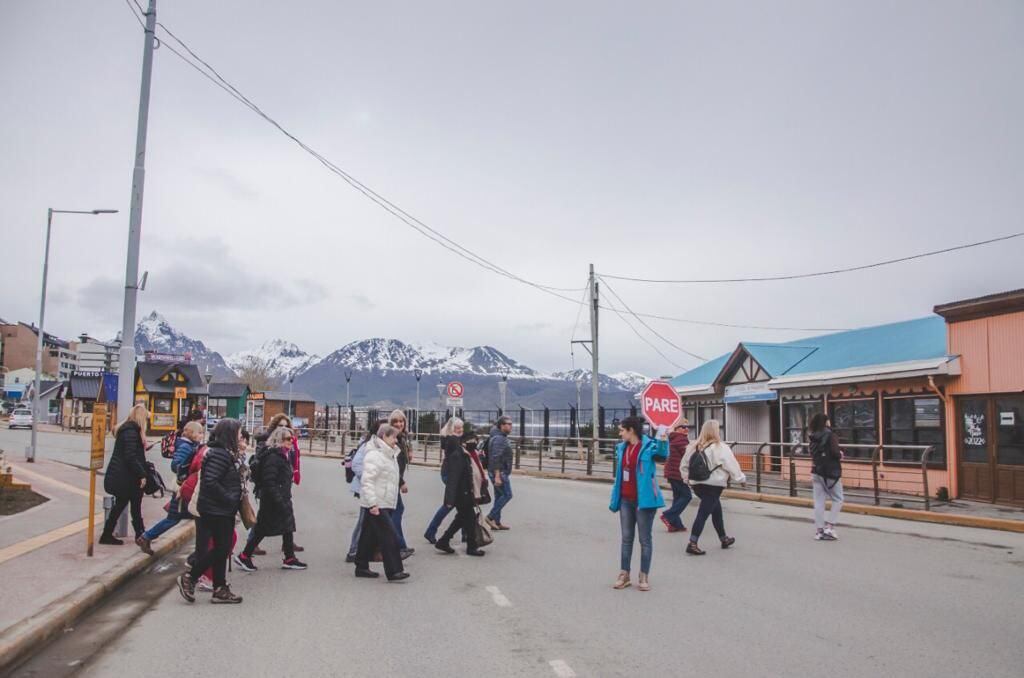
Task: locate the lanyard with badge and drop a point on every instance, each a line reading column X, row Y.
column 630, row 460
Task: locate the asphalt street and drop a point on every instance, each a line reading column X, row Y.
column 890, row 598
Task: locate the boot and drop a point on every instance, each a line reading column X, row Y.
column 443, row 546
column 223, row 594
column 144, row 544
column 110, row 540
column 187, row 587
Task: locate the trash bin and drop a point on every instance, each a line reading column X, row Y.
column 121, row 528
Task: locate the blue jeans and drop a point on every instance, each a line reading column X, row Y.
column 356, row 532
column 174, row 516
column 681, row 496
column 629, row 518
column 396, row 518
column 502, row 496
column 439, row 516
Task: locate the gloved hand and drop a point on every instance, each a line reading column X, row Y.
column 662, row 433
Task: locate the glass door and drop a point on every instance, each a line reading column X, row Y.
column 1009, row 457
column 974, row 433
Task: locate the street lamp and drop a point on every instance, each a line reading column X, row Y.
column 348, row 383
column 291, row 380
column 31, row 452
column 418, row 373
column 503, row 388
column 440, row 392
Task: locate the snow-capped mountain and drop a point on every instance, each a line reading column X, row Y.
column 620, row 381
column 154, row 333
column 631, row 381
column 280, row 357
column 393, row 355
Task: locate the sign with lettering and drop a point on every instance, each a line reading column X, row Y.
column 180, row 392
column 660, row 404
column 99, row 431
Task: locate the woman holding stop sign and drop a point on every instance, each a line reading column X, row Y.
column 636, row 496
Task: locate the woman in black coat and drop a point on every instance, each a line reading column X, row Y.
column 126, row 474
column 272, row 476
column 460, row 491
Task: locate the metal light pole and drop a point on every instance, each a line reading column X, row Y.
column 291, row 380
column 419, row 375
column 441, row 388
column 126, row 369
column 503, row 389
column 30, row 453
column 348, row 383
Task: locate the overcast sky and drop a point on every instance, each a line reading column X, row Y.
column 653, row 139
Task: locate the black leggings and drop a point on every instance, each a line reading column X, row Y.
column 379, row 532
column 465, row 520
column 221, row 529
column 710, row 505
column 122, row 501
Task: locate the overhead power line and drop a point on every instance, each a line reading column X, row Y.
column 818, row 274
column 644, row 339
column 640, row 320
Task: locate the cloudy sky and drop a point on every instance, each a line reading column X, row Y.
column 659, row 139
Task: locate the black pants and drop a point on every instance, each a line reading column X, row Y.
column 379, row 532
column 122, row 501
column 287, row 542
column 220, row 529
column 710, row 505
column 465, row 520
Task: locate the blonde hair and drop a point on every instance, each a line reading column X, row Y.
column 139, row 416
column 710, row 433
column 193, row 427
column 449, row 426
column 276, row 437
column 396, row 415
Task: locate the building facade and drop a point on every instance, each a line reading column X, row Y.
column 19, row 350
column 169, row 390
column 93, row 355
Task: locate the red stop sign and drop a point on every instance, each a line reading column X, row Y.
column 660, row 404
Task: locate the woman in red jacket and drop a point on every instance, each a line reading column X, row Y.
column 681, row 493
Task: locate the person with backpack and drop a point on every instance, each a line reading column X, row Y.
column 355, row 483
column 378, row 496
column 219, row 497
column 636, row 496
column 826, row 477
column 678, row 441
column 272, row 477
column 708, row 466
column 126, row 474
column 464, row 490
column 185, row 447
column 499, row 468
column 451, row 444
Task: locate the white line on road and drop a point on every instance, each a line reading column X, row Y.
column 561, row 669
column 499, row 598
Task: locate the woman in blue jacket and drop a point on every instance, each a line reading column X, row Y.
column 636, row 495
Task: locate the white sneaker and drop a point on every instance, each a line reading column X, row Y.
column 205, row 584
column 830, row 532
column 819, row 535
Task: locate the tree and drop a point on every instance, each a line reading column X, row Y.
column 258, row 375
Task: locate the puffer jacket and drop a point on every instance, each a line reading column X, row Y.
column 499, row 452
column 678, row 441
column 381, row 479
column 220, row 484
column 276, row 515
column 127, row 465
column 722, row 462
column 184, row 450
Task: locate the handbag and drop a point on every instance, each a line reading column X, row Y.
column 247, row 512
column 193, row 503
column 483, row 534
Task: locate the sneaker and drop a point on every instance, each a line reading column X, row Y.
column 728, row 541
column 259, row 552
column 297, row 548
column 431, row 538
column 245, row 562
column 491, row 523
column 186, row 587
column 224, row 595
column 366, row 574
column 668, row 525
column 110, row 540
column 819, row 535
column 144, row 544
column 827, row 536
column 503, row 526
column 293, row 563
column 444, row 547
column 398, row 576
column 350, row 558
column 831, row 532
column 694, row 550
column 204, row 584
column 405, row 553
column 477, row 552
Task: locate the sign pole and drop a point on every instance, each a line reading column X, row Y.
column 99, row 431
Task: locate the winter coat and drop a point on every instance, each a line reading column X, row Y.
column 357, row 469
column 677, row 443
column 184, row 450
column 294, row 456
column 450, row 445
column 276, row 515
column 826, row 458
column 720, row 459
column 127, row 464
column 381, row 479
column 499, row 452
column 188, row 486
column 220, row 484
column 648, row 492
column 458, row 488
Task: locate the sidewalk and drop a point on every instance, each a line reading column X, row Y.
column 47, row 578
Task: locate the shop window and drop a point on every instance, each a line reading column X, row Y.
column 716, row 412
column 1010, row 436
column 690, row 414
column 87, row 406
column 914, row 421
column 856, row 423
column 162, row 405
column 217, row 408
column 798, row 418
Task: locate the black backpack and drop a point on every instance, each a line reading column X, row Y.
column 824, row 463
column 699, row 468
column 154, row 481
column 350, row 475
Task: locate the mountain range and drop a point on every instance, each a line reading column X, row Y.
column 382, row 372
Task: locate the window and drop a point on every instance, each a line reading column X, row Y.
column 856, row 422
column 914, row 421
column 974, row 430
column 162, row 405
column 716, row 412
column 87, row 406
column 217, row 408
column 690, row 414
column 797, row 417
column 1010, row 432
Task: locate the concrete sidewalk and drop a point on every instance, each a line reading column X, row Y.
column 47, row 578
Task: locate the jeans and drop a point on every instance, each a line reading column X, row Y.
column 379, row 532
column 681, row 496
column 439, row 516
column 629, row 518
column 396, row 517
column 356, row 532
column 710, row 505
column 174, row 516
column 465, row 520
column 220, row 529
column 120, row 503
column 824, row 489
column 256, row 536
column 502, row 496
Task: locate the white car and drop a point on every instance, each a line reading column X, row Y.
column 20, row 418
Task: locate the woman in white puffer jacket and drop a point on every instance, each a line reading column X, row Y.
column 378, row 497
column 722, row 464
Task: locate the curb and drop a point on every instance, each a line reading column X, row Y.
column 22, row 637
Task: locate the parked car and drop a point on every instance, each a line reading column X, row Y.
column 20, row 418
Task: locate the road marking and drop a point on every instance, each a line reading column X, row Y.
column 18, row 470
column 561, row 669
column 498, row 597
column 37, row 542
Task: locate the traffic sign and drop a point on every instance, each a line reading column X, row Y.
column 455, row 402
column 660, row 404
column 455, row 389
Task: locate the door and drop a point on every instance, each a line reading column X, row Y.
column 973, row 431
column 1009, row 452
column 991, row 431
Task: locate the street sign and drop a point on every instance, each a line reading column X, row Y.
column 99, row 431
column 455, row 389
column 455, row 402
column 180, row 392
column 660, row 404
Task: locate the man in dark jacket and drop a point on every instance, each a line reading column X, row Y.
column 499, row 468
column 678, row 440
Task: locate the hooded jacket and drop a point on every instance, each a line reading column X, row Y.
column 677, row 444
column 826, row 458
column 381, row 479
column 276, row 515
column 127, row 465
column 220, row 484
column 648, row 492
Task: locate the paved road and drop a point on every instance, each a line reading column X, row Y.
column 891, row 598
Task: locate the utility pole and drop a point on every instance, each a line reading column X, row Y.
column 348, row 384
column 418, row 373
column 594, row 380
column 126, row 370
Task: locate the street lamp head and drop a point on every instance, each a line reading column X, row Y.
column 417, row 373
column 104, row 211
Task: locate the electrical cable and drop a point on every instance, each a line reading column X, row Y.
column 645, row 339
column 652, row 330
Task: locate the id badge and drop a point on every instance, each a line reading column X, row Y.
column 625, row 474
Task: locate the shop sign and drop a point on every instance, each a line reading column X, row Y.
column 752, row 392
column 1007, row 418
column 180, row 392
column 974, row 428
